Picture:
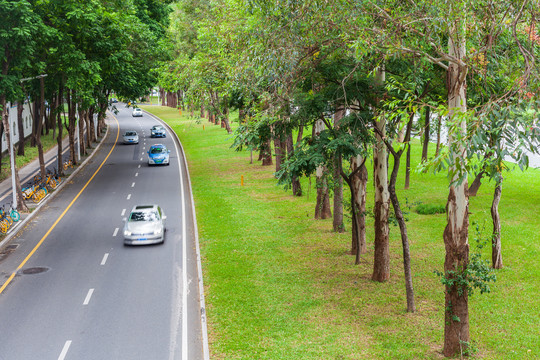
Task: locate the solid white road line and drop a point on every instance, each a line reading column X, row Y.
column 104, row 260
column 115, row 232
column 88, row 296
column 184, row 262
column 64, row 350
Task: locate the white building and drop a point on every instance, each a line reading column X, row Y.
column 14, row 128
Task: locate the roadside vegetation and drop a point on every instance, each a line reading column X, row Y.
column 281, row 285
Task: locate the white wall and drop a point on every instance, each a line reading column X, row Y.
column 27, row 124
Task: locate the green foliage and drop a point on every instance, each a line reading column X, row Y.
column 430, row 209
column 476, row 275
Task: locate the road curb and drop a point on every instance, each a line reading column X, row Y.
column 48, row 198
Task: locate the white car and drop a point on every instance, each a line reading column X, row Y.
column 137, row 112
column 145, row 225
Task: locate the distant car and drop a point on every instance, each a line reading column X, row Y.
column 130, row 137
column 137, row 112
column 158, row 155
column 113, row 100
column 157, row 131
column 145, row 225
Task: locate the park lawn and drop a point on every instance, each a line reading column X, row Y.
column 281, row 285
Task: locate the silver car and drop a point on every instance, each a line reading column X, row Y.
column 130, row 137
column 145, row 225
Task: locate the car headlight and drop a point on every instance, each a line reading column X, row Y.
column 127, row 233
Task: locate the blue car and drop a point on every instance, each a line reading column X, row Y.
column 158, row 155
column 157, row 131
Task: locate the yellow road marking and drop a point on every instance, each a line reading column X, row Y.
column 63, row 213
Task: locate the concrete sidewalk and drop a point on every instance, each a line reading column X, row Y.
column 27, row 172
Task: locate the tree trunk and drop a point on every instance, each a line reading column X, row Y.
column 403, row 230
column 426, row 135
column 408, row 168
column 473, row 190
column 279, row 150
column 20, row 126
column 322, row 208
column 456, row 329
column 496, row 253
column 359, row 183
column 40, row 128
column 71, row 124
column 21, row 206
column 338, row 182
column 81, row 122
column 295, row 182
column 381, row 262
column 92, row 127
column 226, row 120
column 266, row 153
column 438, row 146
column 59, row 115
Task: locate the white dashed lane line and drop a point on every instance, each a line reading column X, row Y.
column 129, row 196
column 104, row 260
column 136, row 174
column 64, row 350
column 88, row 297
column 123, row 212
column 133, row 185
column 115, row 232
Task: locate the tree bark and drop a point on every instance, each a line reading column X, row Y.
column 322, row 207
column 359, row 183
column 338, row 182
column 21, row 206
column 381, row 262
column 41, row 117
column 473, row 190
column 496, row 252
column 81, row 122
column 438, row 146
column 59, row 115
column 266, row 153
column 71, row 124
column 456, row 329
column 426, row 135
column 404, row 237
column 279, row 148
column 295, row 182
column 20, row 126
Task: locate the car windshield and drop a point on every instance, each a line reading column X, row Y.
column 131, row 133
column 157, row 150
column 157, row 127
column 144, row 216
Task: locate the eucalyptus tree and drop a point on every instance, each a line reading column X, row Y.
column 443, row 34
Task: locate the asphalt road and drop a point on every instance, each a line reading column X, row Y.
column 72, row 290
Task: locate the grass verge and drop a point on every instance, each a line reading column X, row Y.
column 281, row 285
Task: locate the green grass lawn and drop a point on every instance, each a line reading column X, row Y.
column 281, row 285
